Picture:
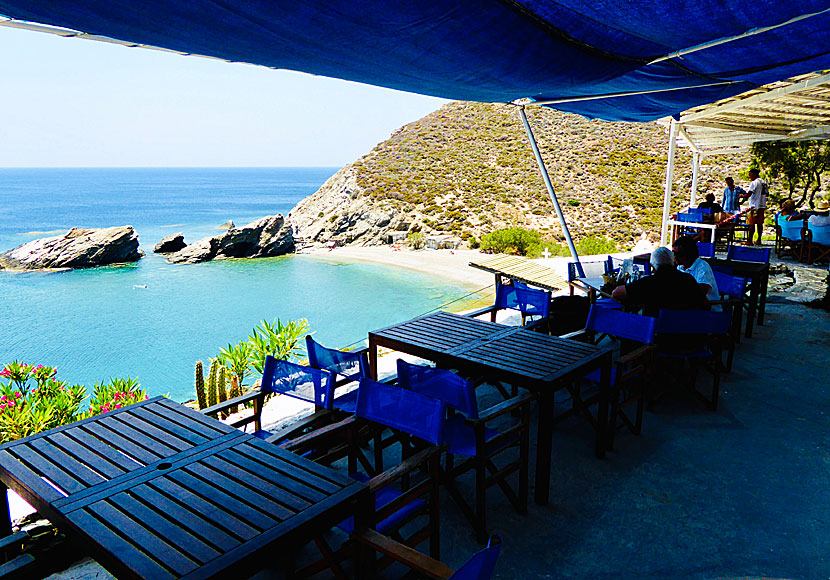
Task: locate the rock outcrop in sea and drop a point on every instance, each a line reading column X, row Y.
column 78, row 248
column 170, row 244
column 265, row 237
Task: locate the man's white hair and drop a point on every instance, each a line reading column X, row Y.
column 661, row 257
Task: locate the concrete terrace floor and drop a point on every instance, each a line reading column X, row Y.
column 741, row 492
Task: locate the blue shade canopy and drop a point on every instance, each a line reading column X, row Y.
column 487, row 50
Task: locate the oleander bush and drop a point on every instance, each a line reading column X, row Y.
column 33, row 399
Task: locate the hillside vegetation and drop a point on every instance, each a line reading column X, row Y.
column 467, row 169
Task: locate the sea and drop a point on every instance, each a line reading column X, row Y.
column 153, row 320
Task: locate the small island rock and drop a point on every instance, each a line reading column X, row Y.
column 78, row 248
column 266, row 237
column 226, row 226
column 170, row 244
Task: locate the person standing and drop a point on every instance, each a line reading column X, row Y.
column 732, row 197
column 757, row 194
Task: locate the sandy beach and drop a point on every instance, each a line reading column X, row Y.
column 450, row 264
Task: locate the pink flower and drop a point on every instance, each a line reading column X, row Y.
column 18, row 394
column 117, row 406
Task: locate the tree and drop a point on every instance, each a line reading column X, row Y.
column 799, row 164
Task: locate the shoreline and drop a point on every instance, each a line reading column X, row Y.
column 448, row 264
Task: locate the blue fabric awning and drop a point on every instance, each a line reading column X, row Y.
column 486, row 50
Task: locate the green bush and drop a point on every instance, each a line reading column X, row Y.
column 593, row 245
column 518, row 241
column 416, row 240
column 573, row 202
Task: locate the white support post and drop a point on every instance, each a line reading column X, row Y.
column 695, row 169
column 664, row 230
column 546, row 178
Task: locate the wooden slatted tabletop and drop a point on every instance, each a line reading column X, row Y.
column 512, row 354
column 523, row 270
column 157, row 490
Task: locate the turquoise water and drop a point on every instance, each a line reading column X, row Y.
column 97, row 323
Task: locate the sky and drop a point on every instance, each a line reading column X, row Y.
column 69, row 102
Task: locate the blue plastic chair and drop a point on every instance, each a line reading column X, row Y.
column 697, row 335
column 345, row 366
column 635, row 336
column 706, row 249
column 466, row 434
column 748, row 254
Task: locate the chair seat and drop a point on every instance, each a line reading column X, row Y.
column 384, row 496
column 461, row 437
column 594, row 375
column 609, row 303
column 347, row 402
column 261, row 434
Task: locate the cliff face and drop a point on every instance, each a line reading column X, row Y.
column 468, row 169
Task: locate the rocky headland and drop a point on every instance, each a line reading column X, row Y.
column 265, row 237
column 78, row 248
column 467, row 169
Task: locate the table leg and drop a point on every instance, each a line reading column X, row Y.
column 753, row 304
column 544, row 435
column 5, row 516
column 762, row 307
column 373, row 358
column 604, row 435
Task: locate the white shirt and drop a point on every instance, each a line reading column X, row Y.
column 758, row 190
column 819, row 220
column 702, row 273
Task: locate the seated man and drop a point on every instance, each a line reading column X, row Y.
column 711, row 204
column 822, row 215
column 666, row 288
column 688, row 260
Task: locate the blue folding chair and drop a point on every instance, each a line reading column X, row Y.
column 695, row 336
column 594, row 270
column 480, row 566
column 788, row 237
column 634, row 337
column 345, row 366
column 692, row 216
column 748, row 254
column 816, row 243
column 706, row 249
column 734, row 301
column 528, row 301
column 467, row 434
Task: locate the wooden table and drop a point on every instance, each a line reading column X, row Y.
column 592, row 285
column 157, row 490
column 543, row 364
column 758, row 274
column 521, row 269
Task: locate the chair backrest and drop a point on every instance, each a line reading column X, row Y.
column 821, row 234
column 402, row 409
column 622, row 324
column 348, row 364
column 706, row 249
column 692, row 322
column 481, row 565
column 457, row 392
column 746, row 254
column 527, row 300
column 728, row 285
column 695, row 217
column 298, row 381
column 792, row 230
column 591, row 270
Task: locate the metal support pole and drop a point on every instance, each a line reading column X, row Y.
column 546, row 178
column 664, row 230
column 695, row 169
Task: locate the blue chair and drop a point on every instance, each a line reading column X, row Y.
column 706, row 249
column 345, row 366
column 748, row 254
column 816, row 243
column 466, row 433
column 734, row 301
column 528, row 301
column 480, row 566
column 694, row 336
column 634, row 335
column 788, row 237
column 594, row 270
column 692, row 216
column 406, row 492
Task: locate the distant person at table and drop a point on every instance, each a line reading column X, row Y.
column 757, row 195
column 732, row 197
column 688, row 260
column 666, row 288
column 821, row 217
column 790, row 213
column 710, row 204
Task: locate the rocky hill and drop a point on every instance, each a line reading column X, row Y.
column 468, row 169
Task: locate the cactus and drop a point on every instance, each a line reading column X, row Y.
column 221, row 384
column 236, row 391
column 212, row 379
column 200, row 385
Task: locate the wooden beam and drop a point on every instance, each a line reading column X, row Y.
column 735, row 127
